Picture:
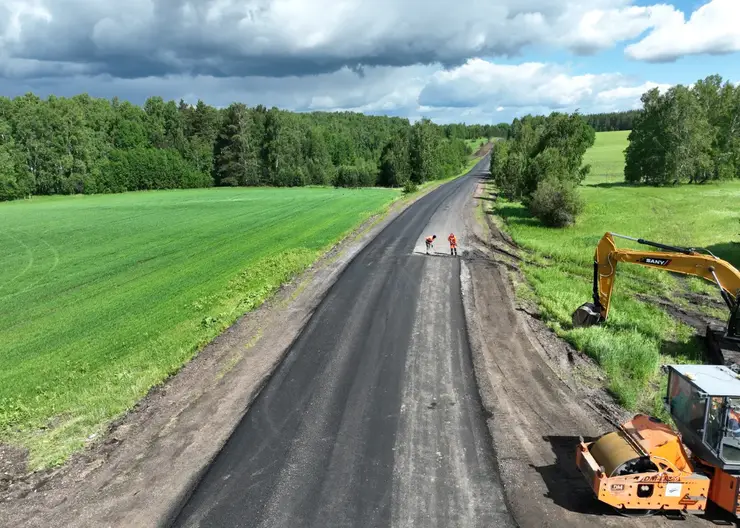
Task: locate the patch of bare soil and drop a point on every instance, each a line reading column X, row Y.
column 147, row 464
column 540, row 394
column 485, row 149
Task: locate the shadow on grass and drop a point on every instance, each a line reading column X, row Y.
column 729, row 251
column 610, row 185
column 695, row 350
column 518, row 219
column 514, row 212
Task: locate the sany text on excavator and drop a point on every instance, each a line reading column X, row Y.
column 724, row 343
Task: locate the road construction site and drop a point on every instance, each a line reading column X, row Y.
column 386, row 387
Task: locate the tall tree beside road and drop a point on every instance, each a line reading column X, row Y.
column 686, row 135
column 542, row 164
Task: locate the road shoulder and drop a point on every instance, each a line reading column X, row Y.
column 539, row 393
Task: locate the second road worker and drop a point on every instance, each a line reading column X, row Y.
column 453, row 244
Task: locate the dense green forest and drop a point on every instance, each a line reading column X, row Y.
column 87, row 145
column 612, row 121
column 542, row 164
column 687, row 135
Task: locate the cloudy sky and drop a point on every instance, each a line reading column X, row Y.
column 451, row 60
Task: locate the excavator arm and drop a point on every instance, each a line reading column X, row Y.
column 676, row 259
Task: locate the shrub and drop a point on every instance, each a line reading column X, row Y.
column 410, row 187
column 556, row 203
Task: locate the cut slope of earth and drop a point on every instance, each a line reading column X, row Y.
column 540, row 394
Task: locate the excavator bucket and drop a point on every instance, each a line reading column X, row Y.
column 586, row 315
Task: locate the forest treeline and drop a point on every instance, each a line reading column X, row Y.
column 686, row 135
column 88, row 145
column 612, row 121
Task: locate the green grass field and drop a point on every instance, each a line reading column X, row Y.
column 102, row 297
column 638, row 336
column 606, row 158
column 475, row 144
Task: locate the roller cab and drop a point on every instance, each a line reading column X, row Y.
column 646, row 466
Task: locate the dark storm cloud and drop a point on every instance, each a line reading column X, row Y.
column 226, row 38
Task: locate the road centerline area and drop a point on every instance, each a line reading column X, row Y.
column 344, row 433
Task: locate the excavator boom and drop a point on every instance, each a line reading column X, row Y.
column 676, row 259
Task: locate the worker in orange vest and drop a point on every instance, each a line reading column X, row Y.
column 430, row 242
column 453, row 244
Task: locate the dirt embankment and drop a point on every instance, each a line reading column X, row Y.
column 540, row 394
column 148, row 462
column 484, row 150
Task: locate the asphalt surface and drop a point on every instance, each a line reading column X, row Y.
column 373, row 419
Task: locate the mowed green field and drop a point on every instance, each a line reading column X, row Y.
column 102, row 297
column 476, row 144
column 639, row 334
column 606, row 158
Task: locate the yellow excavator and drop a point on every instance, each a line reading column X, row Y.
column 645, row 466
column 723, row 343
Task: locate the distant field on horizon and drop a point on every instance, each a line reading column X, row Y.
column 103, row 296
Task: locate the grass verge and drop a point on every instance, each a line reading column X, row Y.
column 640, row 333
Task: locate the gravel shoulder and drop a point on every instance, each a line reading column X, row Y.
column 539, row 393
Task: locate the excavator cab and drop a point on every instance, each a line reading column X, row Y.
column 704, row 402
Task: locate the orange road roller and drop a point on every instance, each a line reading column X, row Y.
column 645, row 466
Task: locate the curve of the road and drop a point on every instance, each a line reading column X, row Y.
column 373, row 418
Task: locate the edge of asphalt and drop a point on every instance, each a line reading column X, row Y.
column 161, row 446
column 341, row 256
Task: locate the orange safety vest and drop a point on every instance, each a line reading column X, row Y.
column 453, row 240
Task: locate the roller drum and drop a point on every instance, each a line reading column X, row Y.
column 617, row 456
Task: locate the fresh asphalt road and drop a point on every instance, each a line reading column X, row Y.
column 373, row 418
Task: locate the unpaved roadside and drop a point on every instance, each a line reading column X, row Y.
column 540, row 394
column 146, row 465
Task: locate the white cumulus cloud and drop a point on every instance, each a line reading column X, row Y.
column 485, row 84
column 625, row 94
column 714, row 28
column 298, row 37
column 479, row 91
